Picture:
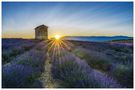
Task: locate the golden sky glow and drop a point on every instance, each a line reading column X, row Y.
column 80, row 19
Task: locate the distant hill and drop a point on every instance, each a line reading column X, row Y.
column 97, row 38
column 123, row 40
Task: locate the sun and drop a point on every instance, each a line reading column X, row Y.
column 57, row 37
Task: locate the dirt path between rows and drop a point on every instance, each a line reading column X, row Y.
column 46, row 77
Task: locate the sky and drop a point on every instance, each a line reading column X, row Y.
column 67, row 18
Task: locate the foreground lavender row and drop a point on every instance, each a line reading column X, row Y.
column 25, row 69
column 76, row 73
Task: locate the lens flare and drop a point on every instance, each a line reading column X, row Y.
column 57, row 37
column 58, row 46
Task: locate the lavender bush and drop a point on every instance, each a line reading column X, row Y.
column 76, row 73
column 34, row 58
column 94, row 59
column 13, row 47
column 24, row 69
column 116, row 60
column 15, row 75
column 124, row 74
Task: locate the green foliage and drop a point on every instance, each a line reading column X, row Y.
column 94, row 60
column 15, row 52
column 72, row 75
column 7, row 80
column 68, row 66
column 27, row 48
column 8, row 56
column 117, row 49
column 16, row 79
column 102, row 65
column 32, row 78
column 79, row 53
column 28, row 61
column 123, row 40
column 122, row 49
column 124, row 74
column 5, row 58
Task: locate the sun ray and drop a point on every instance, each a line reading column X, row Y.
column 57, row 46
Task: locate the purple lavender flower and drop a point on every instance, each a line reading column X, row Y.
column 17, row 75
column 77, row 73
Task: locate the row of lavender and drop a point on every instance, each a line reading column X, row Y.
column 13, row 47
column 76, row 73
column 115, row 60
column 24, row 70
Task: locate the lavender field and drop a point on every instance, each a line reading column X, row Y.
column 66, row 64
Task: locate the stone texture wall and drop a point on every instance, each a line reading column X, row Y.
column 41, row 32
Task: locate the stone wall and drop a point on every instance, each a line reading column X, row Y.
column 41, row 32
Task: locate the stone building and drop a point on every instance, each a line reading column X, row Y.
column 41, row 32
